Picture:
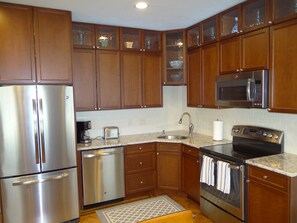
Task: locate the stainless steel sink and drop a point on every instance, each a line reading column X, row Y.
column 172, row 137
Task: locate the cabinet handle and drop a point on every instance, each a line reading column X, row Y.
column 140, row 148
column 140, row 163
column 143, row 50
column 241, row 31
column 241, row 69
column 269, row 109
column 141, row 182
column 237, row 70
column 140, row 49
column 93, row 47
column 158, row 154
column 265, row 177
column 189, row 150
column 164, row 82
column 95, row 108
column 247, row 181
column 197, row 161
column 270, row 22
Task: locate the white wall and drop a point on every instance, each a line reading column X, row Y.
column 134, row 121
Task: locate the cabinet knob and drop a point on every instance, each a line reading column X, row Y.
column 270, row 22
column 237, row 70
column 93, row 47
column 97, row 47
column 269, row 109
column 241, row 69
column 197, row 161
column 34, row 81
column 143, row 50
column 189, row 150
column 140, row 163
column 265, row 177
column 144, row 106
column 140, row 49
column 95, row 108
column 140, row 148
column 164, row 82
column 158, row 154
column 241, row 31
column 141, row 182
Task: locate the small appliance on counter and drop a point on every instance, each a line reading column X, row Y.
column 82, row 131
column 111, row 132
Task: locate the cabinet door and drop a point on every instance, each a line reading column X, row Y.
column 283, row 78
column 108, row 80
column 83, row 35
column 84, row 79
column 17, row 46
column 140, row 182
column 191, row 176
column 230, row 55
column 168, row 166
column 210, row 69
column 282, row 10
column 131, row 79
column 53, row 45
column 266, row 204
column 152, row 75
column 255, row 50
column 194, row 77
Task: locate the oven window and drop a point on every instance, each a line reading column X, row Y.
column 232, row 93
column 233, row 198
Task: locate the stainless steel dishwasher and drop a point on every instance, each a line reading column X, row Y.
column 103, row 175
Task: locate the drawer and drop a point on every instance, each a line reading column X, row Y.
column 140, row 182
column 140, row 148
column 270, row 178
column 169, row 147
column 140, row 162
column 191, row 151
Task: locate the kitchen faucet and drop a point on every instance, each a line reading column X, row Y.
column 191, row 126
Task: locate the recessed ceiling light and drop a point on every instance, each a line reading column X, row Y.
column 141, row 5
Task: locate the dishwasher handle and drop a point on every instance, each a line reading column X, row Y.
column 97, row 155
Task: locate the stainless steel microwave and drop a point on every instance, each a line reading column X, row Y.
column 243, row 90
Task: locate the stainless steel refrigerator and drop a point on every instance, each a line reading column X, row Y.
column 38, row 174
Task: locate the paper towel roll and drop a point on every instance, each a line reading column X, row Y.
column 217, row 130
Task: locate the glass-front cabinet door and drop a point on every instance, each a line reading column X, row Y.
column 83, row 35
column 130, row 39
column 283, row 9
column 230, row 22
column 174, row 53
column 107, row 37
column 193, row 37
column 151, row 41
column 255, row 14
column 210, row 30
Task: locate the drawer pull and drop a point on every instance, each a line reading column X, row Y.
column 197, row 161
column 158, row 154
column 141, row 182
column 140, row 148
column 265, row 177
column 190, row 150
column 140, row 163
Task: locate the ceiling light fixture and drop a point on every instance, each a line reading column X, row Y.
column 141, row 5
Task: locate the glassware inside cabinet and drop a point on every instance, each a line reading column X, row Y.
column 193, row 35
column 130, row 38
column 284, row 8
column 230, row 22
column 255, row 14
column 107, row 37
column 152, row 40
column 209, row 30
column 83, row 35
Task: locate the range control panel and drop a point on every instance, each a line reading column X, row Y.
column 259, row 133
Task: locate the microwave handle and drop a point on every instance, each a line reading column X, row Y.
column 248, row 89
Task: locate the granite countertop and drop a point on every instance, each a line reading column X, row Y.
column 284, row 163
column 197, row 140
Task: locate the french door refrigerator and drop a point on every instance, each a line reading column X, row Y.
column 38, row 174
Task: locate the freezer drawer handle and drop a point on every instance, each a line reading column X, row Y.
column 30, row 182
column 88, row 156
column 42, row 130
column 35, row 132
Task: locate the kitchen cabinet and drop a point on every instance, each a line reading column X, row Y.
column 42, row 57
column 141, row 79
column 255, row 15
column 249, row 51
column 140, row 168
column 271, row 197
column 210, row 30
column 83, row 35
column 282, row 10
column 193, row 36
column 230, row 22
column 169, row 166
column 209, row 71
column 283, row 69
column 194, row 78
column 174, row 58
column 191, row 172
column 96, row 72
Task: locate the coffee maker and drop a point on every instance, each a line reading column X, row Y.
column 82, row 131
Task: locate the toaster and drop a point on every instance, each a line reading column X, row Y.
column 111, row 132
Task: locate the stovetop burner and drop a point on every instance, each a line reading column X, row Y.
column 248, row 142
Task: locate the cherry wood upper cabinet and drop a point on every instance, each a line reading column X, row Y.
column 210, row 69
column 17, row 44
column 194, row 78
column 53, row 45
column 283, row 69
column 84, row 79
column 230, row 22
column 83, row 35
column 282, row 10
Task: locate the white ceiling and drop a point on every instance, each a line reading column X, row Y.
column 160, row 15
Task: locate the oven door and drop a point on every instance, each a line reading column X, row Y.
column 233, row 202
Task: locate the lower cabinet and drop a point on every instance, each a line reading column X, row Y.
column 140, row 168
column 271, row 197
column 191, row 172
column 169, row 166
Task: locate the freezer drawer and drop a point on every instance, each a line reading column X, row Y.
column 103, row 175
column 41, row 198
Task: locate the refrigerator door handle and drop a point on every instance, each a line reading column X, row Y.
column 35, row 132
column 41, row 121
column 30, row 182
